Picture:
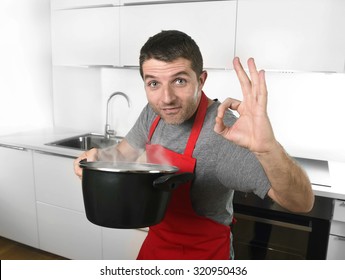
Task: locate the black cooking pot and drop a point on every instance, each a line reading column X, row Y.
column 128, row 195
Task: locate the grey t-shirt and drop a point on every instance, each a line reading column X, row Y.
column 221, row 166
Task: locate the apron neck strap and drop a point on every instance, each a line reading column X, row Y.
column 197, row 126
column 153, row 127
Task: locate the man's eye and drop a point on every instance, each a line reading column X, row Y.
column 180, row 81
column 152, row 84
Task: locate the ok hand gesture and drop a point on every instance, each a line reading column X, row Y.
column 253, row 129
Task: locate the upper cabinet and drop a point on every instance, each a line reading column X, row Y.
column 211, row 24
column 135, row 2
column 68, row 4
column 86, row 36
column 302, row 35
column 305, row 35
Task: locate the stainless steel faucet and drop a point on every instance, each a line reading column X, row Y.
column 109, row 132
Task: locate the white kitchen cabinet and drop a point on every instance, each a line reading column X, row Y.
column 86, row 36
column 68, row 4
column 17, row 196
column 210, row 24
column 68, row 233
column 336, row 242
column 336, row 248
column 62, row 224
column 303, row 35
column 56, row 183
column 139, row 2
column 122, row 244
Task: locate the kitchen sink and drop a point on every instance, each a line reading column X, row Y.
column 86, row 142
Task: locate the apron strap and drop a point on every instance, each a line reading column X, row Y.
column 197, row 126
column 153, row 128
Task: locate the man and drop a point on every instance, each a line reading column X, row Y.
column 182, row 126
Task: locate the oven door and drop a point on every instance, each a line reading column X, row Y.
column 263, row 230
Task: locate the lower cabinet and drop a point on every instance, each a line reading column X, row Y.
column 68, row 233
column 336, row 247
column 17, row 196
column 336, row 243
column 122, row 244
column 62, row 224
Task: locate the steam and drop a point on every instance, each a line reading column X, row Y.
column 111, row 154
column 159, row 156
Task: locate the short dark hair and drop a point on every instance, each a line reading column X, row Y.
column 170, row 45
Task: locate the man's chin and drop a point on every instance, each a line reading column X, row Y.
column 172, row 120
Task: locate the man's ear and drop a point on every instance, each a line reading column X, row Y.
column 202, row 79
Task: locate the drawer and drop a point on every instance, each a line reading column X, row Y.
column 336, row 248
column 339, row 210
column 338, row 228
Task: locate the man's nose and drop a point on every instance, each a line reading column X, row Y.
column 168, row 95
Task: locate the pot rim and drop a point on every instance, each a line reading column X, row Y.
column 128, row 167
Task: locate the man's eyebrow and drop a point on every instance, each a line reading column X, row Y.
column 149, row 77
column 181, row 73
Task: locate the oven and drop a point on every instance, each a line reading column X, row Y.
column 264, row 230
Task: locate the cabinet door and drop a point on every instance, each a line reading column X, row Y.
column 85, row 36
column 122, row 244
column 141, row 2
column 336, row 248
column 339, row 212
column 56, row 182
column 66, row 4
column 17, row 197
column 210, row 24
column 68, row 233
column 303, row 35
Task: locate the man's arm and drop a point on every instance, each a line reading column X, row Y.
column 290, row 187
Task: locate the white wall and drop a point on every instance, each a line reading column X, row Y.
column 122, row 118
column 77, row 98
column 306, row 109
column 25, row 65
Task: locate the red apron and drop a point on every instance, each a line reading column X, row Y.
column 183, row 234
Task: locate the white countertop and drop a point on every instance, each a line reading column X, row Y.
column 37, row 140
column 327, row 177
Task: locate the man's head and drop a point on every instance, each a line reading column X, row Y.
column 170, row 45
column 171, row 67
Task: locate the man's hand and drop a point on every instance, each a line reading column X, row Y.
column 290, row 187
column 253, row 129
column 90, row 155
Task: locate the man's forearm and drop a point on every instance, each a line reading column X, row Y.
column 290, row 186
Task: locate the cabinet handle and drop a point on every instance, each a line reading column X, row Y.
column 86, row 7
column 130, row 66
column 13, row 147
column 54, row 154
column 339, row 238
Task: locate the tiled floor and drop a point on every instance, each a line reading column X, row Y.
column 11, row 250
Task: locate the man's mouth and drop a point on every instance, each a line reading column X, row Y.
column 171, row 110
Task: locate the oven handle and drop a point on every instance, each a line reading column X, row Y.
column 273, row 222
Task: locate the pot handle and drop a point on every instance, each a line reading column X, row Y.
column 172, row 181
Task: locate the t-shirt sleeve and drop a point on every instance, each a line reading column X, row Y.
column 138, row 134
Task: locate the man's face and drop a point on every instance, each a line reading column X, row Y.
column 172, row 88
